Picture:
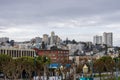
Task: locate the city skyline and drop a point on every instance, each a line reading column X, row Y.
column 72, row 19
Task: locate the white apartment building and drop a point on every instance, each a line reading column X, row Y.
column 108, row 39
column 97, row 39
column 52, row 38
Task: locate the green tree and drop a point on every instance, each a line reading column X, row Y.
column 27, row 64
column 108, row 64
column 39, row 65
column 99, row 67
column 43, row 61
column 118, row 63
column 5, row 61
column 11, row 69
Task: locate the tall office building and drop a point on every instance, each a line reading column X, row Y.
column 52, row 38
column 97, row 39
column 58, row 40
column 45, row 38
column 108, row 39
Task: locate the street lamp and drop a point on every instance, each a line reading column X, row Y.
column 85, row 69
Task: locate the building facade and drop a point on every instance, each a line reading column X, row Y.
column 4, row 39
column 97, row 39
column 56, row 56
column 52, row 38
column 15, row 53
column 45, row 38
column 108, row 39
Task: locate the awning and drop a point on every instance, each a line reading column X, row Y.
column 54, row 65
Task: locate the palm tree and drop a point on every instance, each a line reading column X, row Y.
column 43, row 61
column 39, row 65
column 46, row 61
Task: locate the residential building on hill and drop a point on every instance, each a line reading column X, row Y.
column 57, row 56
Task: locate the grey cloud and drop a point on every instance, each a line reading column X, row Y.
column 114, row 17
column 59, row 14
column 39, row 8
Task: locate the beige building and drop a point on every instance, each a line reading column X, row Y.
column 15, row 53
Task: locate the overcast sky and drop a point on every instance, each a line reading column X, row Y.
column 76, row 19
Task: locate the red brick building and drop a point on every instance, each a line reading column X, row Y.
column 57, row 56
